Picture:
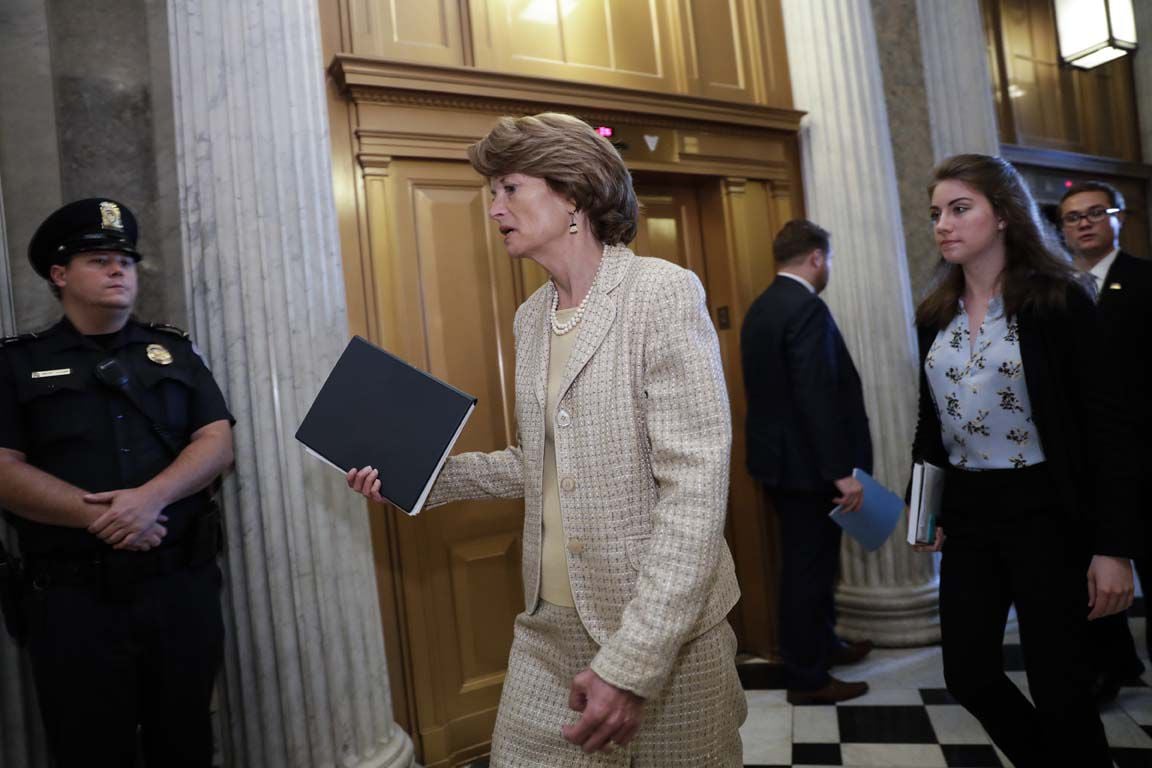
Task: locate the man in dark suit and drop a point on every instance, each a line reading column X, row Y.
column 1091, row 216
column 807, row 430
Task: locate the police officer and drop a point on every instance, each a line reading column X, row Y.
column 111, row 432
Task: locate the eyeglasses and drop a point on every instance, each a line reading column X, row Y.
column 1094, row 215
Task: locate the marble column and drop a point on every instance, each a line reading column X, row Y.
column 906, row 100
column 306, row 682
column 939, row 103
column 29, row 150
column 21, row 739
column 7, row 306
column 850, row 188
column 959, row 86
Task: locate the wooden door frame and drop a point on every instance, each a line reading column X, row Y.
column 742, row 159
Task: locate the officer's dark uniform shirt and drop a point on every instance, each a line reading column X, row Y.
column 55, row 411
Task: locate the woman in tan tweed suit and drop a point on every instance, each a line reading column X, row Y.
column 623, row 656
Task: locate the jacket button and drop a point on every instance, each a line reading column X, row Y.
column 568, row 484
column 563, row 419
column 575, row 546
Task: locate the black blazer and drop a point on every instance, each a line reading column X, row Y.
column 806, row 422
column 1126, row 324
column 1078, row 415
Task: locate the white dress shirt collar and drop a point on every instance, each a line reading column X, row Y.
column 798, row 279
column 1100, row 271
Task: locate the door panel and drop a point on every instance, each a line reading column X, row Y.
column 626, row 43
column 459, row 565
column 669, row 227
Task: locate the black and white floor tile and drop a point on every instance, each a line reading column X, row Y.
column 907, row 719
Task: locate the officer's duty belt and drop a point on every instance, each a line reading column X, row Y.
column 114, row 568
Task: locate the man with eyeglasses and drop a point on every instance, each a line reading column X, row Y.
column 1091, row 217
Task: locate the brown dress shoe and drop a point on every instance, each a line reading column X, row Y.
column 834, row 691
column 850, row 653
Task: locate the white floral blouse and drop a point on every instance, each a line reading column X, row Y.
column 980, row 393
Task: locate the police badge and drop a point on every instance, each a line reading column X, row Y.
column 110, row 216
column 158, row 354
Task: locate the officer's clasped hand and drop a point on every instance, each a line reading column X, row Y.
column 131, row 521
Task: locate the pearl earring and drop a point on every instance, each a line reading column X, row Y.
column 572, row 228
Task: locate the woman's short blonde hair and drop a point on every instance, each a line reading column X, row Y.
column 573, row 159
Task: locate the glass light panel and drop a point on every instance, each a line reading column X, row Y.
column 1082, row 26
column 1123, row 21
column 1102, row 56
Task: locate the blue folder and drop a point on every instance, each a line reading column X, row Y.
column 873, row 523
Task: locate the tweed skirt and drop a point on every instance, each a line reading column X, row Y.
column 693, row 723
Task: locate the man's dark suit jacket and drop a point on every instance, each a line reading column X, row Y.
column 1079, row 416
column 806, row 426
column 1126, row 319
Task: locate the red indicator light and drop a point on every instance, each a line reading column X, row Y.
column 605, row 131
column 1067, row 183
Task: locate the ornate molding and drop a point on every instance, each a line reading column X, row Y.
column 735, row 186
column 367, row 80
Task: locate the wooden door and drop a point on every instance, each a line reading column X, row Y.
column 670, row 228
column 445, row 296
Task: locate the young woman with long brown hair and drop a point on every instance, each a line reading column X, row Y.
column 1013, row 406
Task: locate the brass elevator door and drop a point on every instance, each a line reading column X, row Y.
column 669, row 227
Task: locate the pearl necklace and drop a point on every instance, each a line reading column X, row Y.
column 562, row 328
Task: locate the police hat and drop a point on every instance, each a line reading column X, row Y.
column 95, row 224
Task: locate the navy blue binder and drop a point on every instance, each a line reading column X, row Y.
column 377, row 410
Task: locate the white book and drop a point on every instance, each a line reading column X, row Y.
column 924, row 504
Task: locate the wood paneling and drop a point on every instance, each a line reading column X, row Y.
column 1043, row 103
column 447, row 293
column 428, row 31
column 1042, row 109
column 729, row 50
column 669, row 227
column 714, row 227
column 625, row 43
column 740, row 216
column 720, row 49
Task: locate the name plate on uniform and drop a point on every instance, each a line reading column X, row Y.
column 50, row 374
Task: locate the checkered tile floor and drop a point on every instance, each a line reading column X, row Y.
column 907, row 719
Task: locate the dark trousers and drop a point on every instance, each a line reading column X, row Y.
column 1113, row 651
column 810, row 560
column 128, row 669
column 1144, row 571
column 1008, row 542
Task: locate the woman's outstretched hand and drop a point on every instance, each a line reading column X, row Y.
column 366, row 482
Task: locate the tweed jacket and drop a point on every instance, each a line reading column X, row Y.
column 643, row 440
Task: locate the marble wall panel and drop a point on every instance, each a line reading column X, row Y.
column 29, row 158
column 906, row 100
column 106, row 106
